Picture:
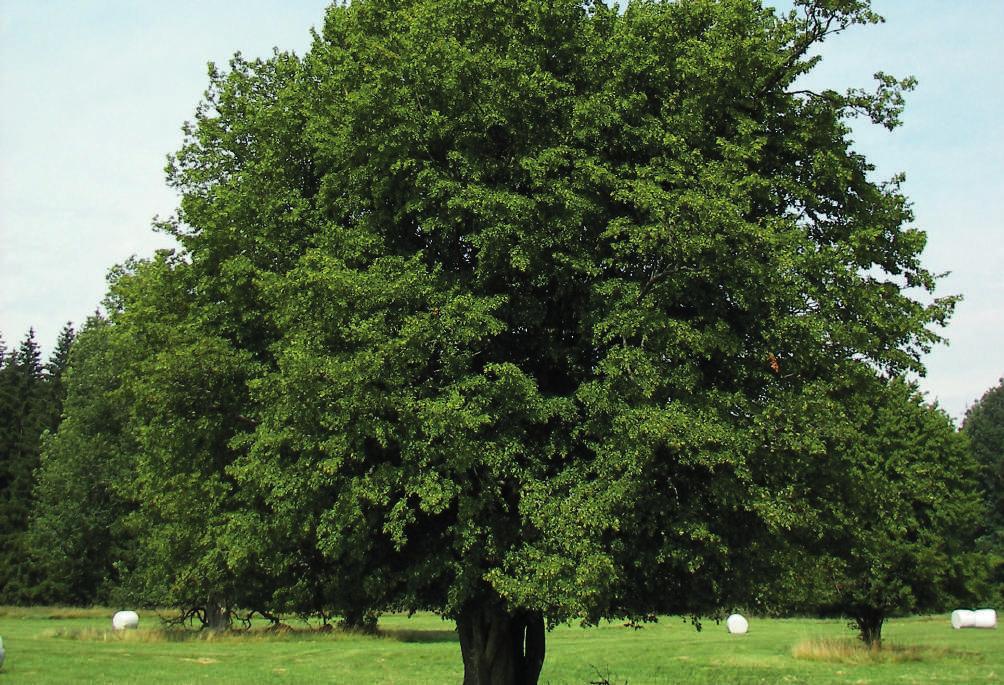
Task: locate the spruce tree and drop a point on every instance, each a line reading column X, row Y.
column 31, row 396
column 23, row 418
column 54, row 370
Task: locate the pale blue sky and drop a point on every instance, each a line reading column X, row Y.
column 94, row 92
column 951, row 147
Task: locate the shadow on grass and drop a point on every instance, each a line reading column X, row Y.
column 405, row 635
column 285, row 633
column 192, row 635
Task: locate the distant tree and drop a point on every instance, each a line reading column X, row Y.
column 889, row 508
column 77, row 540
column 29, row 356
column 251, row 130
column 984, row 425
column 198, row 536
column 53, row 370
column 23, row 418
column 195, row 541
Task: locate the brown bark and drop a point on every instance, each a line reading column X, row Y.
column 217, row 617
column 359, row 620
column 869, row 623
column 499, row 647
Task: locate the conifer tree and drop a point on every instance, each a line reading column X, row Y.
column 31, row 396
column 53, row 374
column 23, row 415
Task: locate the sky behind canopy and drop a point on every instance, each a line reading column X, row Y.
column 94, row 93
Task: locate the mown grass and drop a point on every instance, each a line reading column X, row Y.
column 59, row 645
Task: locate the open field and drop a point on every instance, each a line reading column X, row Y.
column 77, row 646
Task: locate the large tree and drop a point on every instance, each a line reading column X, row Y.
column 484, row 307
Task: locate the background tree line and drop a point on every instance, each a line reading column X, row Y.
column 522, row 313
column 31, row 404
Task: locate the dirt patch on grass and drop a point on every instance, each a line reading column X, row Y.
column 204, row 660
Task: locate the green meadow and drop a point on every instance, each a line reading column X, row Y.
column 78, row 646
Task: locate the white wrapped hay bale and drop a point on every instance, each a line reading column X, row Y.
column 981, row 618
column 2, row 654
column 737, row 625
column 125, row 619
column 961, row 618
column 984, row 618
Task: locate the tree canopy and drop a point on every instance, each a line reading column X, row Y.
column 493, row 308
column 75, row 540
column 889, row 507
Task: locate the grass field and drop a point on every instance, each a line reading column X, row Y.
column 77, row 646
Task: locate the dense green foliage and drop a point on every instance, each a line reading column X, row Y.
column 519, row 312
column 31, row 397
column 891, row 507
column 984, row 425
column 76, row 539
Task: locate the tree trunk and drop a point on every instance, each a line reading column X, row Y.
column 869, row 625
column 499, row 647
column 359, row 620
column 217, row 617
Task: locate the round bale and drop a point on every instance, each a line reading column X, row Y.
column 125, row 619
column 962, row 618
column 984, row 618
column 981, row 618
column 737, row 625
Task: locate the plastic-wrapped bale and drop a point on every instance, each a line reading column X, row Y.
column 981, row 618
column 125, row 619
column 737, row 625
column 2, row 654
